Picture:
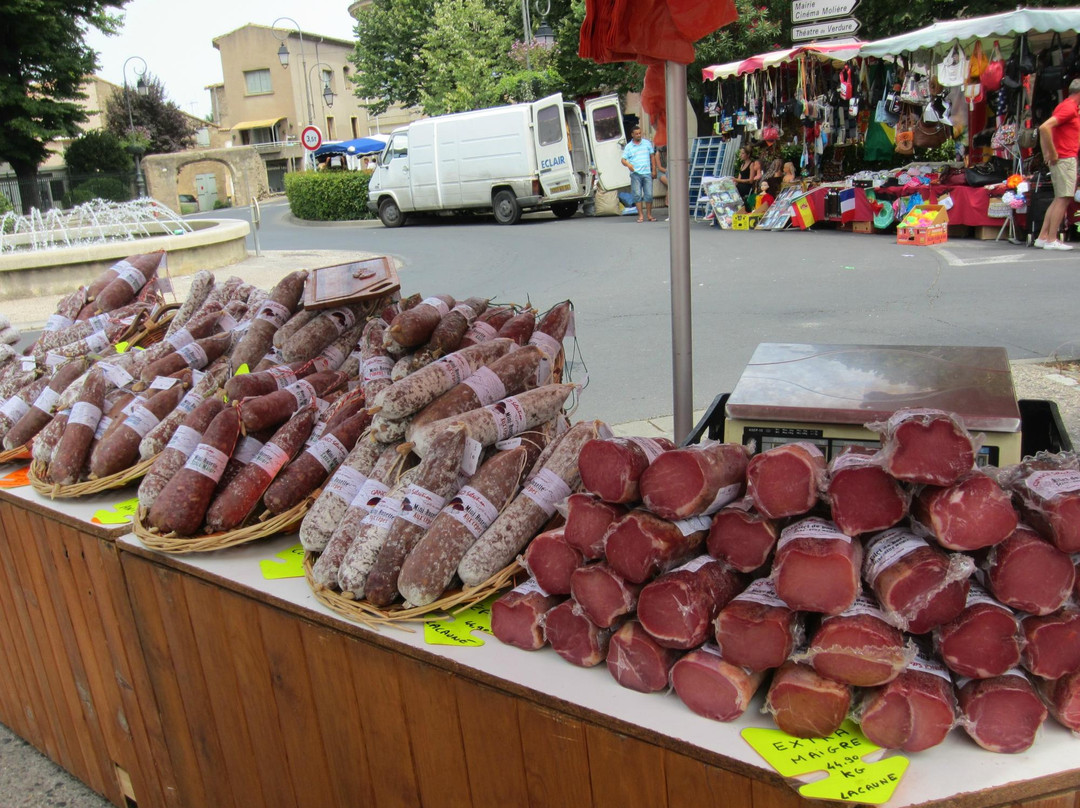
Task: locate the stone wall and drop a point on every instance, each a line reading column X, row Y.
column 245, row 168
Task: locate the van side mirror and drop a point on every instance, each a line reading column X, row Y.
column 622, row 141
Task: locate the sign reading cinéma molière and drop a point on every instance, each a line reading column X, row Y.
column 808, row 10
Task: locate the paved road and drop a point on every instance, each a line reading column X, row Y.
column 748, row 287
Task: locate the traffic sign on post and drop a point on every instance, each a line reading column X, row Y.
column 311, row 137
column 808, row 10
column 824, row 30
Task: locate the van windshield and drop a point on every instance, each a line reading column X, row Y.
column 399, row 147
column 549, row 128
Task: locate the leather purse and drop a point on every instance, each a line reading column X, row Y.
column 1052, row 75
column 991, row 76
column 928, row 135
column 987, row 173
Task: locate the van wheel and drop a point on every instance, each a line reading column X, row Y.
column 390, row 214
column 564, row 210
column 507, row 209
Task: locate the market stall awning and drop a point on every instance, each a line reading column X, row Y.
column 827, row 51
column 1010, row 23
column 360, row 145
column 267, row 123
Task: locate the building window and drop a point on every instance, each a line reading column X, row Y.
column 257, row 81
column 355, row 127
column 327, row 78
column 330, row 128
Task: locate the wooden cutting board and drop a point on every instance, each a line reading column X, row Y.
column 341, row 284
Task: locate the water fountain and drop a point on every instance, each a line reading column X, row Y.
column 93, row 222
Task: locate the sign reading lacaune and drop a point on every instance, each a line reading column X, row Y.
column 808, row 10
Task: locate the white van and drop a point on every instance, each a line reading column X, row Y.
column 536, row 156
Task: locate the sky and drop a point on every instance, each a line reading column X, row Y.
column 174, row 39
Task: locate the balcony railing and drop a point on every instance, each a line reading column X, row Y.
column 275, row 146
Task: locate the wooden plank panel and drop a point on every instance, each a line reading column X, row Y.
column 492, row 741
column 1070, row 799
column 625, row 771
column 766, row 795
column 297, row 718
column 386, row 739
column 556, row 758
column 20, row 696
column 241, row 623
column 690, row 781
column 435, row 734
column 140, row 577
column 340, row 722
column 176, row 620
column 215, row 653
column 57, row 682
column 152, row 773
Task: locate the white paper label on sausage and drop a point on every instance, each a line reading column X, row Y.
column 130, row 275
column 729, row 493
column 28, row 363
column 226, row 322
column 271, row 458
column 455, row 368
column 99, row 322
column 693, row 524
column 333, row 357
column 862, row 605
column 85, row 413
column 46, row 399
column 546, row 343
column 103, row 424
column 547, row 489
column 377, row 369
column 194, row 355
column 694, row 564
column 97, row 343
column 141, row 420
column 52, row 359
column 470, row 459
column 274, row 313
column 282, row 375
column 925, row 664
column 247, row 448
column 529, row 587
column 57, row 322
column 762, row 591
column 420, row 506
column 1053, row 483
column 481, row 332
column 117, row 376
column 163, row 383
column 303, row 392
column 487, row 385
column 183, row 440
column 345, row 483
column 330, row 452
column 850, row 460
column 190, row 401
column 180, row 339
column 15, row 408
column 207, row 461
column 509, row 417
column 130, row 406
column 384, row 513
column 885, row 549
column 651, row 448
column 369, row 494
column 473, row 510
column 976, row 595
column 466, row 311
column 812, row 528
column 437, row 304
column 343, row 319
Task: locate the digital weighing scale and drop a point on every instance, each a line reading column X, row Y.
column 826, row 393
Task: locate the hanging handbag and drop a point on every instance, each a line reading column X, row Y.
column 1004, row 136
column 987, row 173
column 991, row 76
column 929, row 135
column 973, row 92
column 1052, row 75
column 1072, row 70
column 953, row 70
column 1029, row 137
column 905, row 136
column 915, row 89
column 978, row 61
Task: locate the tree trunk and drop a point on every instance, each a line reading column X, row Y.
column 29, row 189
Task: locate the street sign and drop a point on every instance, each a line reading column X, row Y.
column 824, row 30
column 808, row 10
column 311, row 137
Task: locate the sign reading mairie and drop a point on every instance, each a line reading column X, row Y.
column 807, row 10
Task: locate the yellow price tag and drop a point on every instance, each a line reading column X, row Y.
column 850, row 778
column 121, row 347
column 289, row 565
column 240, row 371
column 458, row 630
column 118, row 514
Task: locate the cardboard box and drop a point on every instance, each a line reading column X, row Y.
column 862, row 227
column 925, row 216
column 923, row 236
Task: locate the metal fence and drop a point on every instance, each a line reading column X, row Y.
column 65, row 190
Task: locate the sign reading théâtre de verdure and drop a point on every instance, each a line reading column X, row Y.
column 824, row 30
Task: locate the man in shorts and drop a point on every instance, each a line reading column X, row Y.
column 638, row 157
column 1059, row 136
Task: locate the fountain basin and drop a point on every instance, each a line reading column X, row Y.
column 211, row 244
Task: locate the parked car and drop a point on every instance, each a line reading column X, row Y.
column 188, row 203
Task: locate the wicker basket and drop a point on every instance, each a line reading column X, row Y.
column 263, row 527
column 452, row 602
column 12, row 455
column 151, row 330
column 40, row 483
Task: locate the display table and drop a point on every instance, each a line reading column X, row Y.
column 969, row 204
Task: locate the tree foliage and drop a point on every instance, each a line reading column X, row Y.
column 95, row 152
column 469, row 42
column 44, row 61
column 156, row 123
column 390, row 69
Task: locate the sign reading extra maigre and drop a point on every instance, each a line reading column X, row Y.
column 824, row 30
column 807, row 10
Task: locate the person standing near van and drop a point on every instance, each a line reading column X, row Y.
column 1059, row 136
column 637, row 156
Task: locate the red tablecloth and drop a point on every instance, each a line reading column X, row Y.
column 969, row 204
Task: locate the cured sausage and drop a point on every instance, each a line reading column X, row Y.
column 373, row 530
column 41, row 411
column 71, row 453
column 375, row 362
column 201, row 285
column 158, row 437
column 266, row 381
column 271, row 315
column 313, row 337
column 173, row 457
column 551, row 330
column 695, row 480
column 451, row 329
column 299, row 319
column 415, row 326
column 272, row 409
column 486, row 326
column 520, row 327
column 329, row 509
column 120, row 448
column 195, row 355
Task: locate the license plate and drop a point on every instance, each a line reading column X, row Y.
column 558, row 189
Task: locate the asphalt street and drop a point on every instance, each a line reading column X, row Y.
column 747, row 287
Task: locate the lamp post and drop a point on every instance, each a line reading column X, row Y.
column 327, row 92
column 545, row 36
column 142, row 89
column 283, row 57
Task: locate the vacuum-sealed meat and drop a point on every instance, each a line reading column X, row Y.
column 757, row 630
column 713, row 687
column 1028, row 573
column 641, row 545
column 785, row 480
column 740, row 537
column 587, row 521
column 574, row 637
column 862, row 497
column 913, row 712
column 1048, row 487
column 816, row 567
column 1062, row 699
column 857, row 647
column 612, row 467
column 1001, row 714
column 602, row 594
column 970, row 514
column 695, row 480
column 551, row 560
column 637, row 661
column 983, row 640
column 804, row 703
column 679, row 607
column 517, row 616
column 1052, row 643
column 925, row 446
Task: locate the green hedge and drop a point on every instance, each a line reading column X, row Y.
column 109, row 188
column 328, row 196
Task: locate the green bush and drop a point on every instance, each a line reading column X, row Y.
column 328, row 196
column 108, row 188
column 5, row 205
column 218, row 204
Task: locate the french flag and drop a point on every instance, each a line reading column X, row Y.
column 847, row 205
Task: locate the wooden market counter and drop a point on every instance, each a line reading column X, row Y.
column 212, row 686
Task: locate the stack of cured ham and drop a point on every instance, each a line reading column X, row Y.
column 904, row 586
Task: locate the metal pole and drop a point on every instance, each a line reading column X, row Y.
column 526, row 25
column 140, row 182
column 303, row 64
column 682, row 354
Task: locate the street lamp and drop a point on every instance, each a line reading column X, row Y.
column 142, row 88
column 544, row 36
column 283, row 57
column 327, row 92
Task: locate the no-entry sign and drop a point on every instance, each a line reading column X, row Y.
column 311, row 137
